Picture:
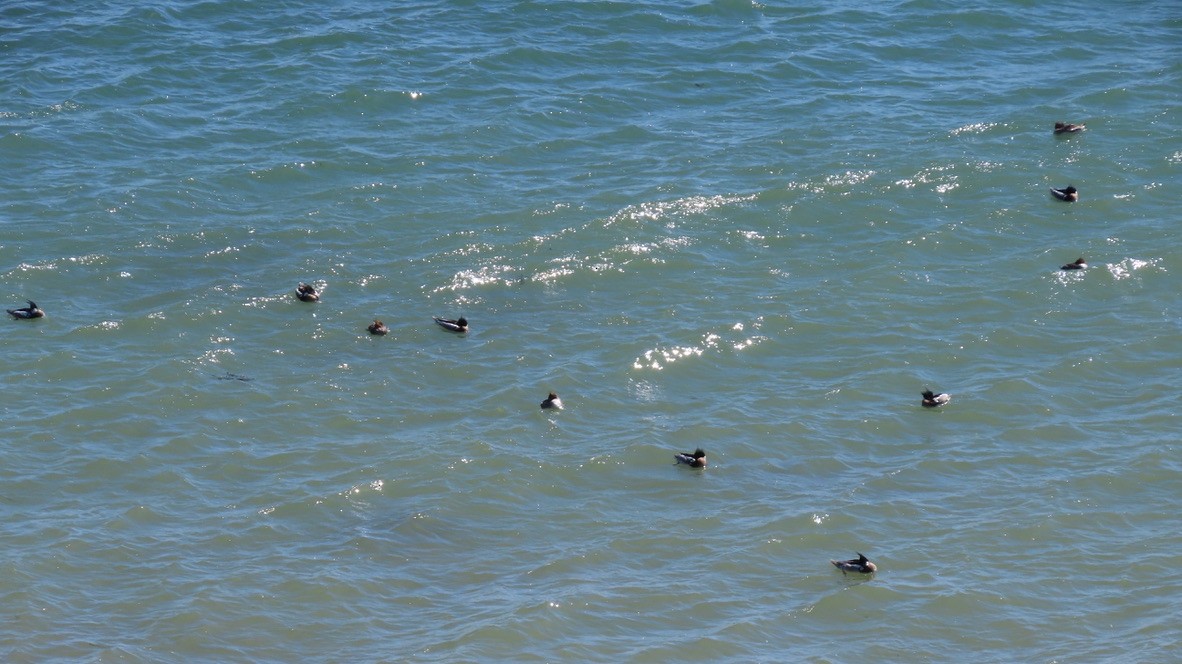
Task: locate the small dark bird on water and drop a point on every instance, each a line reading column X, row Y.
column 931, row 400
column 861, row 565
column 1068, row 128
column 1069, row 194
column 378, row 328
column 31, row 311
column 458, row 325
column 307, row 293
column 695, row 460
column 1079, row 264
column 552, row 401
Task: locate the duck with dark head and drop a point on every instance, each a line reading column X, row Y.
column 307, row 293
column 25, row 313
column 695, row 459
column 459, row 325
column 932, row 400
column 1068, row 194
column 859, row 565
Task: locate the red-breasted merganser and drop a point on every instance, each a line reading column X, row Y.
column 935, row 400
column 861, row 565
column 695, row 460
column 552, row 401
column 458, row 325
column 31, row 311
column 307, row 293
column 1068, row 193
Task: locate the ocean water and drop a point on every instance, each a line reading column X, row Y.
column 756, row 228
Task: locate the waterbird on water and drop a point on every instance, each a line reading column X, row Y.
column 695, row 460
column 1079, row 264
column 458, row 325
column 378, row 327
column 861, row 564
column 931, row 400
column 307, row 293
column 1068, row 193
column 1068, row 128
column 31, row 311
column 552, row 401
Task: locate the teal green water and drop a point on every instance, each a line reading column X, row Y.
column 757, row 229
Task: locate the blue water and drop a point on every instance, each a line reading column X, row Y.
column 761, row 230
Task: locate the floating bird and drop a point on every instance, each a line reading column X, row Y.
column 307, row 293
column 233, row 376
column 1067, row 193
column 861, row 564
column 459, row 325
column 935, row 400
column 695, row 460
column 1068, row 128
column 378, row 327
column 552, row 401
column 1079, row 264
column 31, row 311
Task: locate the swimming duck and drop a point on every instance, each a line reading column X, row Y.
column 1079, row 264
column 31, row 311
column 695, row 460
column 1068, row 128
column 378, row 327
column 459, row 325
column 1067, row 193
column 307, row 293
column 552, row 401
column 861, row 564
column 935, row 400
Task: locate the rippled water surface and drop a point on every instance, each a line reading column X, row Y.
column 753, row 228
